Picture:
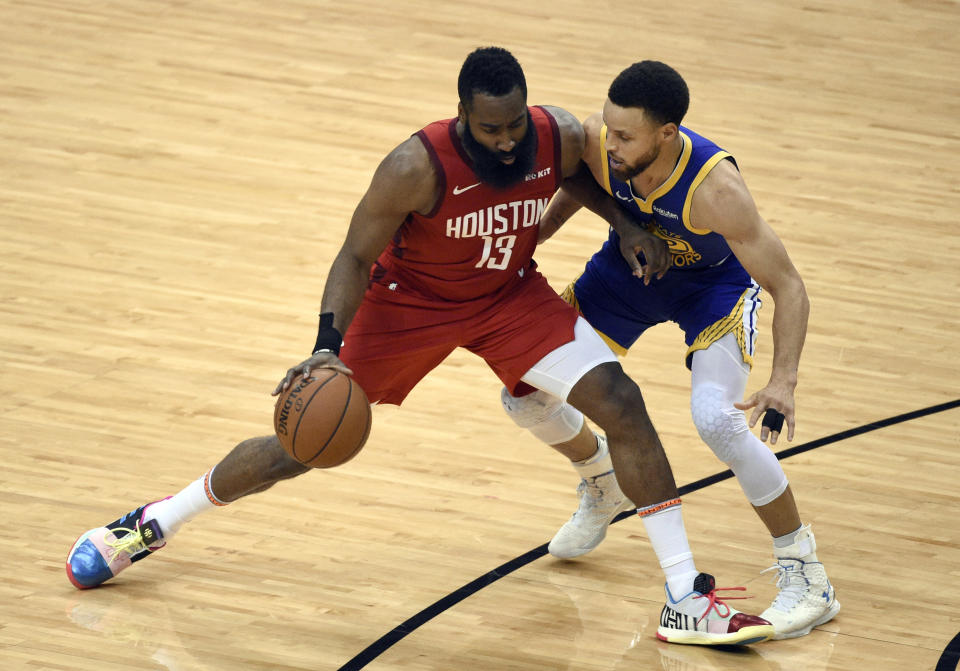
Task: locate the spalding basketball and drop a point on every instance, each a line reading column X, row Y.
column 324, row 421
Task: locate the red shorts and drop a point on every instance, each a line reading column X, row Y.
column 395, row 339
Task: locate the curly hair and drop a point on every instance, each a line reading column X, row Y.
column 491, row 71
column 655, row 87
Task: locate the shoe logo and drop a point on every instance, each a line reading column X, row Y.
column 676, row 620
column 457, row 190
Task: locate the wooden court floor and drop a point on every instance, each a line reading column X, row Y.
column 175, row 179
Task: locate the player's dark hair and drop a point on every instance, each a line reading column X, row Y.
column 492, row 71
column 655, row 87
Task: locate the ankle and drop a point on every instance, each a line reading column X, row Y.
column 798, row 544
column 597, row 464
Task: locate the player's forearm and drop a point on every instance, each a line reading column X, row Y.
column 346, row 284
column 583, row 188
column 791, row 312
column 562, row 207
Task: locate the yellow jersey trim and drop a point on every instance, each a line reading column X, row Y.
column 570, row 297
column 647, row 205
column 732, row 323
column 702, row 175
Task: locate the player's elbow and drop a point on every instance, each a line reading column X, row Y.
column 789, row 288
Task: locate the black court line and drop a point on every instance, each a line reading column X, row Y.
column 948, row 662
column 951, row 656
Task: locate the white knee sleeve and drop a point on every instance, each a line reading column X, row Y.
column 544, row 415
column 719, row 377
column 725, row 430
column 717, row 421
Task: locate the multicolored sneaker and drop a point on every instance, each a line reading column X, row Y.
column 101, row 553
column 702, row 618
column 600, row 501
column 806, row 598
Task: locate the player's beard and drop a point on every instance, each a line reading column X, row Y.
column 489, row 165
column 628, row 171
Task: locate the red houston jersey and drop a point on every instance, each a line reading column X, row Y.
column 478, row 238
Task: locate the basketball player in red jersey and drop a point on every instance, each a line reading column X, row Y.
column 439, row 255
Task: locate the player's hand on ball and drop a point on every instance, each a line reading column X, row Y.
column 318, row 360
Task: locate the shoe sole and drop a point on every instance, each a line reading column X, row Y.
column 745, row 636
column 580, row 551
column 823, row 619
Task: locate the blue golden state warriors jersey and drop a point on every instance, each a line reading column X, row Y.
column 666, row 211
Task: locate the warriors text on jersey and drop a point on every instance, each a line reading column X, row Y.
column 477, row 239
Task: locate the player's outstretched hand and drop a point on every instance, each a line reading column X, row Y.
column 318, row 360
column 775, row 403
column 633, row 240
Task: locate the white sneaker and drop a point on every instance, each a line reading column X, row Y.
column 703, row 618
column 600, row 501
column 806, row 598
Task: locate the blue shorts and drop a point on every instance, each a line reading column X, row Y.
column 706, row 303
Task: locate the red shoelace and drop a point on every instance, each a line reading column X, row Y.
column 715, row 600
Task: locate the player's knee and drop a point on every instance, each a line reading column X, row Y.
column 544, row 415
column 718, row 422
column 610, row 398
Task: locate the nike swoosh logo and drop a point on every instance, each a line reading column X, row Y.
column 457, row 190
column 621, row 197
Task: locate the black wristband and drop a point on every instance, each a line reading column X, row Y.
column 328, row 338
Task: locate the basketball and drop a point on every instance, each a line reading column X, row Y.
column 324, row 421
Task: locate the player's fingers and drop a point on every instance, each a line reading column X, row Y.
column 630, row 256
column 284, row 383
column 661, row 264
column 755, row 415
column 773, row 420
column 790, row 425
column 746, row 405
column 764, row 433
column 337, row 366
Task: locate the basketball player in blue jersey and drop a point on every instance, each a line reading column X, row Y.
column 689, row 192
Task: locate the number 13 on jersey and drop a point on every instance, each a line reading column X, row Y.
column 502, row 246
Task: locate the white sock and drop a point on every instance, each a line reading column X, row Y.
column 664, row 525
column 173, row 512
column 787, row 540
column 598, row 464
column 798, row 544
